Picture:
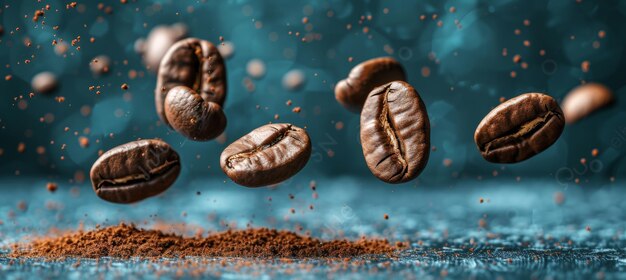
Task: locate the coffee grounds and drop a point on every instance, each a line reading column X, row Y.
column 126, row 241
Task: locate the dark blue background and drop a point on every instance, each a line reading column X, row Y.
column 468, row 75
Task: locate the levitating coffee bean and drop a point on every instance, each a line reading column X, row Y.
column 395, row 132
column 268, row 155
column 293, row 80
column 363, row 78
column 160, row 39
column 197, row 65
column 192, row 116
column 135, row 171
column 100, row 65
column 584, row 100
column 519, row 128
column 44, row 82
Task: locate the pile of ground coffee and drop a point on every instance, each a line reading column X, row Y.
column 126, row 241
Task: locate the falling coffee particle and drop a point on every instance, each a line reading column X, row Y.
column 595, row 152
column 83, row 141
column 51, row 187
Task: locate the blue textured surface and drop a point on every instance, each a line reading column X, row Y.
column 523, row 232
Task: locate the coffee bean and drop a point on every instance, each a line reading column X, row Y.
column 584, row 100
column 268, row 155
column 44, row 82
column 135, row 171
column 363, row 78
column 227, row 49
column 293, row 80
column 198, row 68
column 193, row 63
column 519, row 128
column 160, row 39
column 100, row 65
column 395, row 132
column 193, row 117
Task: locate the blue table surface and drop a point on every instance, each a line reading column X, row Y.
column 517, row 231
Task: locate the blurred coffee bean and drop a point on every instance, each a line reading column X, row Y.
column 44, row 82
column 193, row 117
column 363, row 78
column 584, row 100
column 519, row 128
column 256, row 68
column 268, row 155
column 395, row 132
column 135, row 171
column 226, row 49
column 293, row 80
column 159, row 40
column 100, row 65
column 61, row 48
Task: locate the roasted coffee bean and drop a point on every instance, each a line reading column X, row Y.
column 44, row 82
column 135, row 171
column 395, row 132
column 584, row 100
column 193, row 63
column 519, row 128
column 193, row 117
column 363, row 78
column 268, row 155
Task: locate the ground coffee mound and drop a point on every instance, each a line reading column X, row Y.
column 126, row 241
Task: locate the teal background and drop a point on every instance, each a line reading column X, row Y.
column 468, row 75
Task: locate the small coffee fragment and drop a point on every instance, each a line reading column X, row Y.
column 584, row 100
column 51, row 187
column 268, row 155
column 363, row 78
column 519, row 128
column 134, row 171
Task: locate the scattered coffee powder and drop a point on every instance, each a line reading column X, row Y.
column 126, row 241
